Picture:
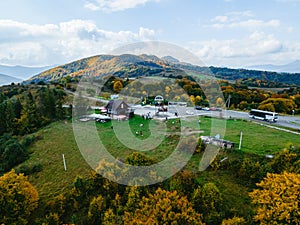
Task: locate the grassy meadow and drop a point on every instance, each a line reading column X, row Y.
column 57, row 139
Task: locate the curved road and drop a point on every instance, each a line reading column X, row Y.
column 283, row 121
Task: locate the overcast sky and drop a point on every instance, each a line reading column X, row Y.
column 233, row 33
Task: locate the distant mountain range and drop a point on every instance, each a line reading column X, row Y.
column 129, row 65
column 293, row 67
column 5, row 79
column 22, row 72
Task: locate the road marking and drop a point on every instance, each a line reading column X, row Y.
column 277, row 128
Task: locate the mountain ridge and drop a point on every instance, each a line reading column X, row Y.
column 128, row 65
column 293, row 67
column 22, row 72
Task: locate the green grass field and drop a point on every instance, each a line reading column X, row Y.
column 58, row 139
column 257, row 139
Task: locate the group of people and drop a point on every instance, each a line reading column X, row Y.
column 147, row 116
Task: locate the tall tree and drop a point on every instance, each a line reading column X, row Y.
column 30, row 118
column 163, row 207
column 18, row 198
column 9, row 116
column 50, row 105
column 96, row 210
column 133, row 198
column 208, row 200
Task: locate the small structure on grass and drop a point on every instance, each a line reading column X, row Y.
column 218, row 142
column 119, row 109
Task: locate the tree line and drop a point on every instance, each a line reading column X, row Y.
column 23, row 110
column 238, row 95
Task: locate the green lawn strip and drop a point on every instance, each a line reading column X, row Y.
column 257, row 139
column 118, row 150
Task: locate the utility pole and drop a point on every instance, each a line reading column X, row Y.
column 64, row 161
column 241, row 139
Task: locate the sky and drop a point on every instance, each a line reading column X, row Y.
column 230, row 33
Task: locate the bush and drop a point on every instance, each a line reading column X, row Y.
column 30, row 169
column 28, row 140
column 11, row 152
column 219, row 162
column 250, row 170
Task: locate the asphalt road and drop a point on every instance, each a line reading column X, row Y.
column 283, row 121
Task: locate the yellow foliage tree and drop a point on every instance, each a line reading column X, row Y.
column 219, row 102
column 167, row 89
column 18, row 198
column 164, row 207
column 109, row 218
column 118, row 85
column 198, row 100
column 278, row 199
column 267, row 107
column 192, row 99
column 96, row 210
column 234, row 221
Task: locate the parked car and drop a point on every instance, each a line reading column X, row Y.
column 198, row 107
column 206, row 109
column 215, row 109
column 189, row 112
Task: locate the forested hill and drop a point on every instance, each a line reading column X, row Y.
column 234, row 74
column 128, row 65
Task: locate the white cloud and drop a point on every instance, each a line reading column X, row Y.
column 243, row 19
column 254, row 45
column 221, row 19
column 251, row 23
column 29, row 44
column 91, row 6
column 258, row 48
column 115, row 5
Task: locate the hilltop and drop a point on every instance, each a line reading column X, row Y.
column 120, row 66
column 128, row 65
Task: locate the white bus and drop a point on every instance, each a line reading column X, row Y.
column 263, row 115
